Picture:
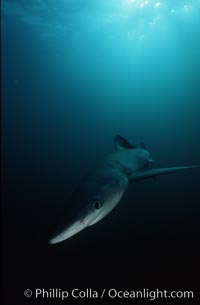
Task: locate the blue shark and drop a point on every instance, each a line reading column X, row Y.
column 101, row 191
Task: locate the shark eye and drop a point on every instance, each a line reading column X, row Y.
column 96, row 204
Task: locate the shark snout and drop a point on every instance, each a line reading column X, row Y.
column 80, row 223
column 68, row 232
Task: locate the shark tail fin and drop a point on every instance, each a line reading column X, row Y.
column 151, row 173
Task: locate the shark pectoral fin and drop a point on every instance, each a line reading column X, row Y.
column 151, row 173
column 122, row 144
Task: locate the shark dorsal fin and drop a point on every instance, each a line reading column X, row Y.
column 122, row 144
column 142, row 146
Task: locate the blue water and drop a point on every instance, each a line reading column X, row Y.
column 74, row 74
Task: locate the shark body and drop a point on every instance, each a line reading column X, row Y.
column 101, row 191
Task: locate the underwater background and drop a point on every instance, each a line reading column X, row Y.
column 74, row 74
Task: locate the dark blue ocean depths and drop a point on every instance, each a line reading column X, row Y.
column 74, row 74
